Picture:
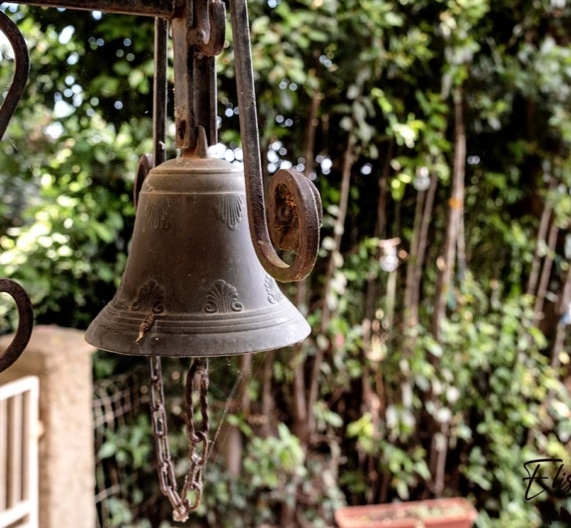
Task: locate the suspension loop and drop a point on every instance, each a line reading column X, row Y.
column 198, row 34
column 21, row 70
column 209, row 29
column 306, row 202
column 189, row 499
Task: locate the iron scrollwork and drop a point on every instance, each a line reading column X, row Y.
column 15, row 91
column 290, row 190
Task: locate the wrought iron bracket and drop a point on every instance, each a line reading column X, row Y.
column 294, row 205
column 22, row 66
column 25, row 323
column 291, row 191
column 21, row 70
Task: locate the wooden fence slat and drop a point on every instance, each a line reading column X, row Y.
column 31, row 459
column 15, row 443
column 18, row 512
column 3, row 451
column 19, row 453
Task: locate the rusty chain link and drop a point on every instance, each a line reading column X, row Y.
column 198, row 444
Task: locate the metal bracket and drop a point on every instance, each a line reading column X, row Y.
column 25, row 323
column 22, row 66
column 291, row 190
column 155, row 8
column 198, row 36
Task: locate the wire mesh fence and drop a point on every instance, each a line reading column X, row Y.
column 123, row 450
column 127, row 491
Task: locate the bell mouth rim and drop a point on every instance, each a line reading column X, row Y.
column 170, row 341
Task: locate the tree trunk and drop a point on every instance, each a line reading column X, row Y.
column 422, row 244
column 545, row 273
column 439, row 448
column 541, row 234
column 331, row 267
column 456, row 202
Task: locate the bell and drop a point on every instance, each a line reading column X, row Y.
column 193, row 285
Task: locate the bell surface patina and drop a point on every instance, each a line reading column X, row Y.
column 193, row 285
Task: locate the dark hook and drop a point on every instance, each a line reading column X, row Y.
column 22, row 67
column 25, row 323
column 209, row 29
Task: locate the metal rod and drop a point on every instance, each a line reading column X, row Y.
column 301, row 189
column 185, row 119
column 156, row 8
column 198, row 36
column 160, row 91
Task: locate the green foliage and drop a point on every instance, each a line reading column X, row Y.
column 274, row 460
column 275, row 473
column 66, row 241
column 128, row 445
column 121, row 516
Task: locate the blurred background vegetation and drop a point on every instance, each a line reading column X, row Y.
column 438, row 360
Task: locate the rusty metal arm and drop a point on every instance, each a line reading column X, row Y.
column 155, row 8
column 292, row 196
column 198, row 33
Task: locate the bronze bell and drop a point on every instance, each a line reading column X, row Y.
column 193, row 285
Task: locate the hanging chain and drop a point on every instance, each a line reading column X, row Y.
column 198, row 444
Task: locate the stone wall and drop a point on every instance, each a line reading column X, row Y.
column 61, row 359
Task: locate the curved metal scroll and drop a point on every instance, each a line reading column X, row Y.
column 22, row 66
column 304, row 203
column 25, row 323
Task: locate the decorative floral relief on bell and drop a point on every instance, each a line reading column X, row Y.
column 230, row 210
column 222, row 298
column 274, row 294
column 118, row 302
column 150, row 298
column 158, row 211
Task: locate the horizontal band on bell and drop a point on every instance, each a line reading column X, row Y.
column 222, row 337
column 199, row 323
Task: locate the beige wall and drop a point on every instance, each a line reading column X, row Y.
column 62, row 361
